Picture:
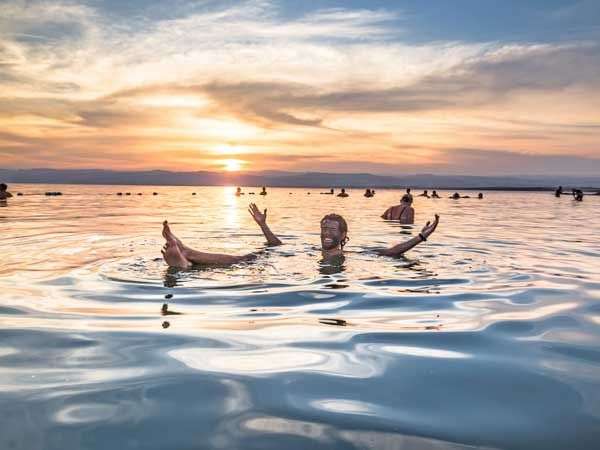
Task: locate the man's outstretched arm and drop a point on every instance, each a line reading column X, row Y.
column 261, row 220
column 403, row 247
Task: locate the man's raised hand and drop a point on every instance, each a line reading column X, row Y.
column 430, row 227
column 259, row 218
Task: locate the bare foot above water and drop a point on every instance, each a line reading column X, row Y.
column 173, row 256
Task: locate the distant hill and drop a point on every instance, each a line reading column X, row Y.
column 292, row 179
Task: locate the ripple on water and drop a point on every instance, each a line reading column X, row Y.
column 482, row 337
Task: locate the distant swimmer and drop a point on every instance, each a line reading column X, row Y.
column 334, row 236
column 327, row 193
column 455, row 196
column 368, row 193
column 264, row 191
column 578, row 195
column 424, row 194
column 558, row 191
column 480, row 196
column 403, row 212
column 343, row 193
column 434, row 194
column 4, row 194
column 238, row 191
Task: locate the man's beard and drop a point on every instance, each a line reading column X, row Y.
column 331, row 243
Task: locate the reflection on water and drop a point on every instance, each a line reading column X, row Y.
column 486, row 336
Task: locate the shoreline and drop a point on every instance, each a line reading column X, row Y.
column 567, row 188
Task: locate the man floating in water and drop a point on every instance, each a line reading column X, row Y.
column 334, row 235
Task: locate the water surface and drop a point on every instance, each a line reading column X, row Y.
column 485, row 336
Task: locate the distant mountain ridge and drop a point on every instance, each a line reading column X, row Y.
column 291, row 179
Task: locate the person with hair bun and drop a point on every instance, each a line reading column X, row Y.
column 403, row 213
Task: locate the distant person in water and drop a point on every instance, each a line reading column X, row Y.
column 409, row 194
column 424, row 194
column 558, row 191
column 368, row 193
column 238, row 191
column 343, row 193
column 434, row 194
column 455, row 196
column 480, row 196
column 4, row 194
column 264, row 191
column 327, row 193
column 578, row 195
column 334, row 235
column 404, row 212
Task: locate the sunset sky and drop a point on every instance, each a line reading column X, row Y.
column 450, row 87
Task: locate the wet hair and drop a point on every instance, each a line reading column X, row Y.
column 406, row 198
column 3, row 187
column 341, row 222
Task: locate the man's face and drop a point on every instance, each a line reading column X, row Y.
column 331, row 235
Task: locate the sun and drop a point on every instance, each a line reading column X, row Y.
column 233, row 165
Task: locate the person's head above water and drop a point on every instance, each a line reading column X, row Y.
column 3, row 187
column 406, row 199
column 334, row 230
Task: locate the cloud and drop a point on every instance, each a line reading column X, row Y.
column 78, row 81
